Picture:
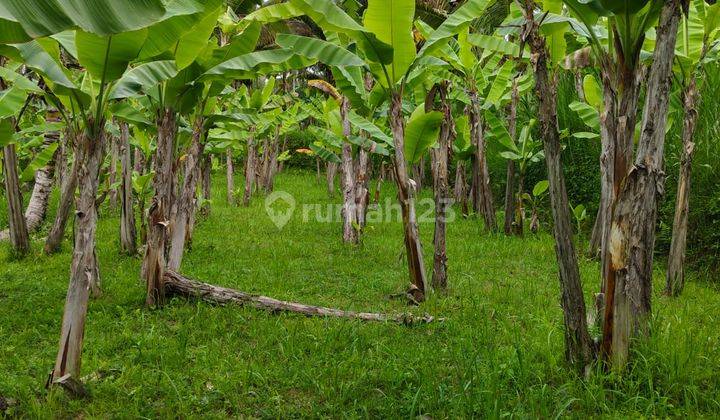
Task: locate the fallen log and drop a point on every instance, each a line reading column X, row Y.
column 176, row 284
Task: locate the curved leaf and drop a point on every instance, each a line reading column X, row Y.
column 421, row 134
column 142, row 78
column 392, row 22
column 323, row 51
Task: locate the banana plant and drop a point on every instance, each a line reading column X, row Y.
column 104, row 37
column 386, row 46
column 698, row 35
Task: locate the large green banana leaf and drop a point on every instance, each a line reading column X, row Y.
column 142, row 78
column 392, row 22
column 323, row 51
column 421, row 134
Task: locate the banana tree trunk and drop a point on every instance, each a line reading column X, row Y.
column 67, row 198
column 154, row 263
column 230, row 177
column 19, row 237
column 621, row 91
column 186, row 201
column 482, row 193
column 519, row 224
column 595, row 237
column 270, row 165
column 461, row 188
column 440, row 157
column 362, row 189
column 84, row 277
column 406, row 196
column 250, row 169
column 206, row 170
column 128, row 234
column 579, row 347
column 332, row 169
column 510, row 176
column 676, row 261
column 349, row 212
column 113, row 172
column 629, row 282
column 37, row 206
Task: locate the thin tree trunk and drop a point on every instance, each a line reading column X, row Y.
column 112, row 177
column 362, row 191
column 349, row 211
column 250, row 169
column 579, row 347
column 440, row 157
column 482, row 193
column 186, row 201
column 510, row 177
column 67, row 197
column 37, row 206
column 178, row 285
column 84, row 276
column 676, row 259
column 155, row 253
column 230, row 176
column 379, row 184
column 318, row 173
column 270, row 166
column 632, row 239
column 128, row 235
column 206, row 169
column 19, row 237
column 461, row 188
column 406, row 196
column 332, row 168
column 519, row 223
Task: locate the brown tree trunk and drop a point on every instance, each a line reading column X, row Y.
column 270, row 164
column 186, row 201
column 519, row 224
column 37, row 206
column 84, row 277
column 579, row 347
column 621, row 90
column 332, row 169
column 510, row 177
column 595, row 237
column 362, row 188
column 349, row 212
column 19, row 237
column 128, row 235
column 440, row 158
column 461, row 188
column 406, row 196
column 632, row 238
column 67, row 198
column 250, row 169
column 178, row 285
column 113, row 172
column 482, row 193
column 676, row 260
column 206, row 169
column 230, row 176
column 155, row 253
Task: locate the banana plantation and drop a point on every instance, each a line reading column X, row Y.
column 359, row 208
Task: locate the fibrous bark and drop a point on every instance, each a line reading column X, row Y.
column 128, row 234
column 406, row 196
column 186, row 200
column 632, row 237
column 332, row 169
column 579, row 347
column 675, row 281
column 362, row 188
column 159, row 214
column 440, row 160
column 67, row 198
column 19, row 237
column 250, row 168
column 349, row 212
column 482, row 193
column 178, row 285
column 84, row 277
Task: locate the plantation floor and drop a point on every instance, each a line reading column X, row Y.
column 499, row 352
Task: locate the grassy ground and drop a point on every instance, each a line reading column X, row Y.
column 499, row 353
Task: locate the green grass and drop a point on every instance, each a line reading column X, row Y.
column 499, row 352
